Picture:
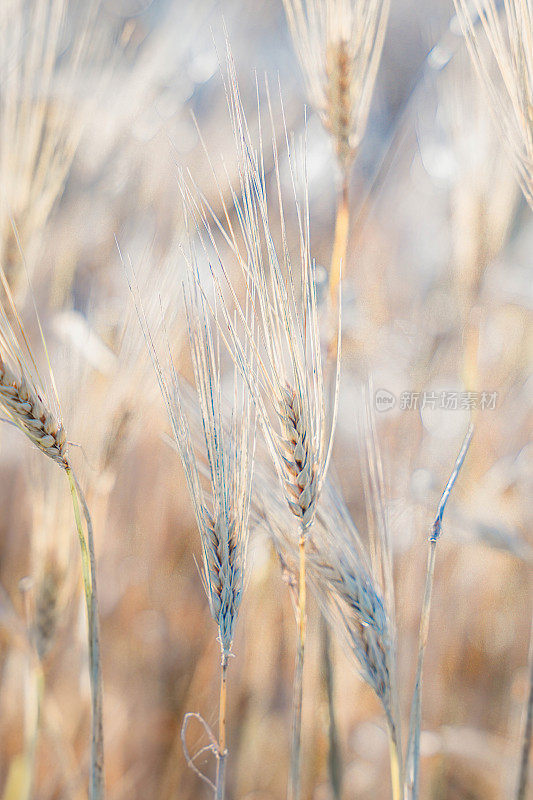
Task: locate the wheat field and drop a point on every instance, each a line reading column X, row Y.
column 265, row 307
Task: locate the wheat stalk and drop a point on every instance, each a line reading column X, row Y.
column 225, row 530
column 289, row 393
column 347, row 587
column 335, row 768
column 339, row 44
column 283, row 342
column 300, row 489
column 349, row 596
column 222, row 508
column 28, row 407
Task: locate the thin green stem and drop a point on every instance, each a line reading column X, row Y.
column 334, row 753
column 88, row 562
column 413, row 746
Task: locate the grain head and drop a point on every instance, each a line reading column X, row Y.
column 22, row 394
column 339, row 43
column 24, row 405
column 341, row 579
column 351, row 597
column 283, row 343
column 221, row 448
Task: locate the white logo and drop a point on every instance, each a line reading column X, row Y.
column 384, row 400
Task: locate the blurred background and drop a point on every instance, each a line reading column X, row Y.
column 101, row 104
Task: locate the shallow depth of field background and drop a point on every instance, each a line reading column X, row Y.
column 441, row 215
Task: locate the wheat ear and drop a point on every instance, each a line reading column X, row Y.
column 56, row 451
column 341, row 578
column 289, row 392
column 339, row 44
column 28, row 412
column 351, row 598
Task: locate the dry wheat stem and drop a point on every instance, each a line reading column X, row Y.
column 301, row 492
column 340, row 246
column 295, row 765
column 97, row 782
column 222, row 750
column 395, row 759
column 413, row 747
column 271, row 511
column 212, row 747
